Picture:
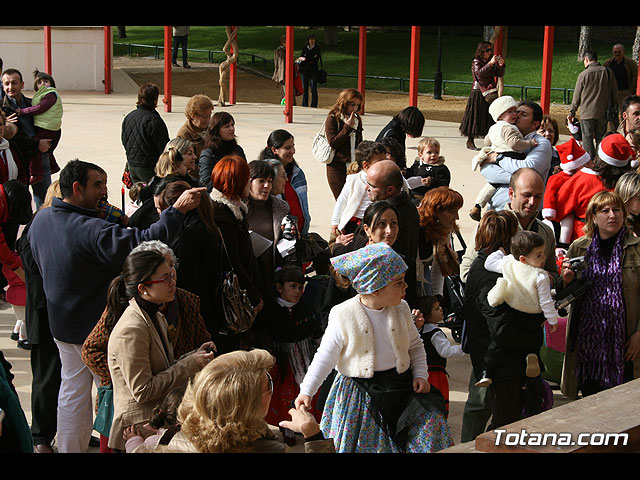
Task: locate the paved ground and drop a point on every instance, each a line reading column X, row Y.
column 91, row 132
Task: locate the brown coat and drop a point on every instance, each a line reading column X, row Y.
column 338, row 136
column 631, row 293
column 142, row 370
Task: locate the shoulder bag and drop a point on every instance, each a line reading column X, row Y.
column 320, row 148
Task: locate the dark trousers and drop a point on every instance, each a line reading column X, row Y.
column 309, row 82
column 45, row 368
column 178, row 42
column 336, row 176
column 507, row 401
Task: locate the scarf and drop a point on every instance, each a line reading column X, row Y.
column 352, row 138
column 602, row 316
column 12, row 168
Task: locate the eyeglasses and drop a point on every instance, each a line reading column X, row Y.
column 168, row 279
column 488, row 49
column 270, row 389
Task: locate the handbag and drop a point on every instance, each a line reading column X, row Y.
column 126, row 176
column 238, row 312
column 453, row 300
column 322, row 74
column 320, row 148
column 104, row 415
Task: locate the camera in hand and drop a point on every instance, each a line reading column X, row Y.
column 577, row 264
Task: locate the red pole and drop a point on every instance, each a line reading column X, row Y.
column 232, row 77
column 413, row 73
column 47, row 50
column 107, row 59
column 362, row 61
column 167, row 69
column 547, row 62
column 288, row 77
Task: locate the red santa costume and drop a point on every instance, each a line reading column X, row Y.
column 572, row 159
column 574, row 195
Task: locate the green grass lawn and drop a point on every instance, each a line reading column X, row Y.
column 388, row 55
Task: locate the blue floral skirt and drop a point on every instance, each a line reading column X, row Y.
column 348, row 420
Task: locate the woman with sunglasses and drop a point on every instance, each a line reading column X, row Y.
column 485, row 68
column 140, row 354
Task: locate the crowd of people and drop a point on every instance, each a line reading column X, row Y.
column 212, row 319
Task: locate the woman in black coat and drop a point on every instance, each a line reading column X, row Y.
column 309, row 59
column 220, row 140
column 409, row 121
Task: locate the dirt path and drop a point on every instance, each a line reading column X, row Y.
column 203, row 78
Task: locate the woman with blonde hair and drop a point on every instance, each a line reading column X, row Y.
column 603, row 341
column 628, row 187
column 198, row 112
column 223, row 410
column 343, row 128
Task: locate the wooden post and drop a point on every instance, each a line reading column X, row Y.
column 288, row 77
column 47, row 50
column 362, row 62
column 167, row 69
column 547, row 62
column 415, row 60
column 233, row 70
column 107, row 59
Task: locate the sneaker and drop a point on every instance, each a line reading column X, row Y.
column 484, row 382
column 476, row 213
column 187, row 66
column 24, row 344
column 533, row 366
column 15, row 336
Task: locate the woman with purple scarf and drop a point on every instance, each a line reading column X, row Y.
column 603, row 341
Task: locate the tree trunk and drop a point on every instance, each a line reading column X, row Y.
column 330, row 36
column 122, row 32
column 636, row 45
column 585, row 42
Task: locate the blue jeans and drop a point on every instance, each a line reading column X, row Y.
column 177, row 43
column 40, row 188
column 309, row 81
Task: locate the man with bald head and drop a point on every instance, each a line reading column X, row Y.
column 385, row 182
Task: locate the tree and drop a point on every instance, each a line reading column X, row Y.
column 122, row 32
column 636, row 45
column 585, row 42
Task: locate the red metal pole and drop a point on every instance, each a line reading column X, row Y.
column 107, row 59
column 47, row 50
column 362, row 63
column 413, row 73
column 547, row 62
column 167, row 69
column 288, row 77
column 233, row 69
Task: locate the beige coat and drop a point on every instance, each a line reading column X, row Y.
column 631, row 293
column 143, row 372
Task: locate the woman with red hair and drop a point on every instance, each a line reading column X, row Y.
column 438, row 212
column 230, row 181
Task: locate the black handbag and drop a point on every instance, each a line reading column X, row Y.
column 322, row 74
column 238, row 312
column 453, row 299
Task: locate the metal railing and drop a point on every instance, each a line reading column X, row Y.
column 266, row 66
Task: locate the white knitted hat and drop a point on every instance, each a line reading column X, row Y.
column 501, row 105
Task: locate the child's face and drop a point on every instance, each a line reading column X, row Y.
column 290, row 291
column 437, row 315
column 43, row 82
column 510, row 115
column 536, row 257
column 430, row 154
column 392, row 293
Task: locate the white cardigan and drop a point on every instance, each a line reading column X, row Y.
column 359, row 341
column 352, row 201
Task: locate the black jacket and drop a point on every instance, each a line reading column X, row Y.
column 144, row 136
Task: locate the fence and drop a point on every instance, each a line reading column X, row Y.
column 340, row 80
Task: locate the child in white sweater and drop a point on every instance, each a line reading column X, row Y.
column 525, row 286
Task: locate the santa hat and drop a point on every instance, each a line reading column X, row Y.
column 615, row 150
column 501, row 105
column 572, row 156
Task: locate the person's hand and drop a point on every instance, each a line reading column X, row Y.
column 13, row 118
column 418, row 318
column 570, row 119
column 490, row 158
column 351, row 121
column 189, row 199
column 44, row 145
column 130, row 432
column 553, row 327
column 426, row 181
column 302, row 421
column 567, row 273
column 20, row 273
column 420, row 385
column 344, row 239
column 334, row 231
column 204, row 354
column 632, row 347
column 302, row 400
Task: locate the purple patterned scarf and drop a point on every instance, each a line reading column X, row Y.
column 602, row 317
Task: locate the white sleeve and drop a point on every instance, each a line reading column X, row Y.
column 495, row 261
column 418, row 355
column 324, row 360
column 444, row 347
column 546, row 301
column 340, row 204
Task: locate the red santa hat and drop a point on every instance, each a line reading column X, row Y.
column 615, row 150
column 572, row 156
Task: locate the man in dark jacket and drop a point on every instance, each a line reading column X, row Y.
column 78, row 254
column 385, row 182
column 144, row 134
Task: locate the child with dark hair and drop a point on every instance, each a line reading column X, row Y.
column 436, row 344
column 525, row 286
column 46, row 108
column 162, row 426
column 289, row 330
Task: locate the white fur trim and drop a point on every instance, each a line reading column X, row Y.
column 548, row 213
column 238, row 209
column 575, row 163
column 610, row 160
